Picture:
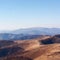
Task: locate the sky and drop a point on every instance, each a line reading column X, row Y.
column 16, row 14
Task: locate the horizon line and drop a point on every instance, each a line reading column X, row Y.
column 28, row 28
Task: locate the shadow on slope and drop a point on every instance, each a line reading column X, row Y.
column 51, row 40
column 9, row 50
column 4, row 43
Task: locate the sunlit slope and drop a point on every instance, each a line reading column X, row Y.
column 35, row 49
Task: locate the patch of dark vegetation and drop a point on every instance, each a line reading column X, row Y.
column 58, row 36
column 4, row 43
column 51, row 40
column 47, row 41
column 7, row 51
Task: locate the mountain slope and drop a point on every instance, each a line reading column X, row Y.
column 33, row 49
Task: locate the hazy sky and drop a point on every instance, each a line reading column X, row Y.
column 15, row 14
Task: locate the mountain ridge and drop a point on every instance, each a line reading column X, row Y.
column 28, row 33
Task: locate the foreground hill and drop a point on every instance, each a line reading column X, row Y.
column 45, row 48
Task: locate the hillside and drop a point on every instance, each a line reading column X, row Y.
column 34, row 49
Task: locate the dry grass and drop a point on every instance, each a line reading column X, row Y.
column 33, row 50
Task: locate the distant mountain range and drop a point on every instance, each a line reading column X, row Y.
column 38, row 31
column 28, row 33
